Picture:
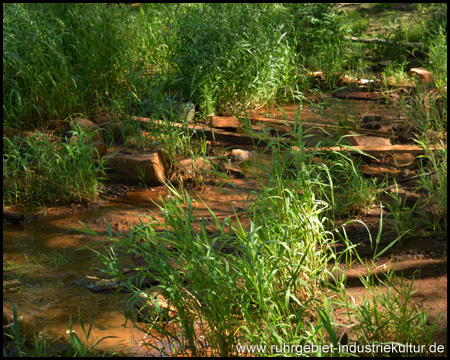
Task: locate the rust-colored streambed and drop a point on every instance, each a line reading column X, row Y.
column 51, row 261
column 54, row 265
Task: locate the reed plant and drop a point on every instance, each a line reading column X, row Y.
column 40, row 347
column 242, row 284
column 273, row 281
column 256, row 292
column 428, row 118
column 38, row 170
column 217, row 55
column 224, row 57
column 54, row 64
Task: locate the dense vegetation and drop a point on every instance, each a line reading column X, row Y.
column 62, row 59
column 283, row 282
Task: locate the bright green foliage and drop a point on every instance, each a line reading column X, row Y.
column 223, row 57
column 29, row 163
column 60, row 58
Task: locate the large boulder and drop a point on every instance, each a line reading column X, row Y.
column 134, row 166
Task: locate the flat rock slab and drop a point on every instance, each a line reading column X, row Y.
column 133, row 165
column 423, row 74
column 88, row 125
column 239, row 154
column 225, row 167
column 225, row 122
column 358, row 95
column 376, row 150
column 379, row 171
column 192, row 167
column 369, row 141
column 216, row 134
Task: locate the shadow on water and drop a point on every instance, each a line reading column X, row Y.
column 52, row 262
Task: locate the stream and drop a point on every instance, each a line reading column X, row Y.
column 54, row 265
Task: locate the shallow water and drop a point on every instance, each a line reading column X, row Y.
column 52, row 260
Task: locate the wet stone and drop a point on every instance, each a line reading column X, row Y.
column 225, row 167
column 95, row 140
column 153, row 303
column 371, row 118
column 423, row 74
column 367, row 141
column 133, row 165
column 98, row 285
column 225, row 122
column 192, row 167
column 239, row 154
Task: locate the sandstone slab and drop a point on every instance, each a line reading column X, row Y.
column 225, row 122
column 367, row 141
column 423, row 74
column 93, row 137
column 371, row 96
column 192, row 167
column 239, row 154
column 88, row 126
column 133, row 165
column 224, row 166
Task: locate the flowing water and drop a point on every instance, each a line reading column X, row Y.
column 53, row 261
column 54, row 264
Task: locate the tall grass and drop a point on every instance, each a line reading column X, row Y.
column 219, row 55
column 39, row 346
column 224, row 57
column 255, row 294
column 59, row 58
column 320, row 34
column 274, row 280
column 38, row 171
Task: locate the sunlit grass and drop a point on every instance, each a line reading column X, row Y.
column 37, row 170
column 266, row 281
